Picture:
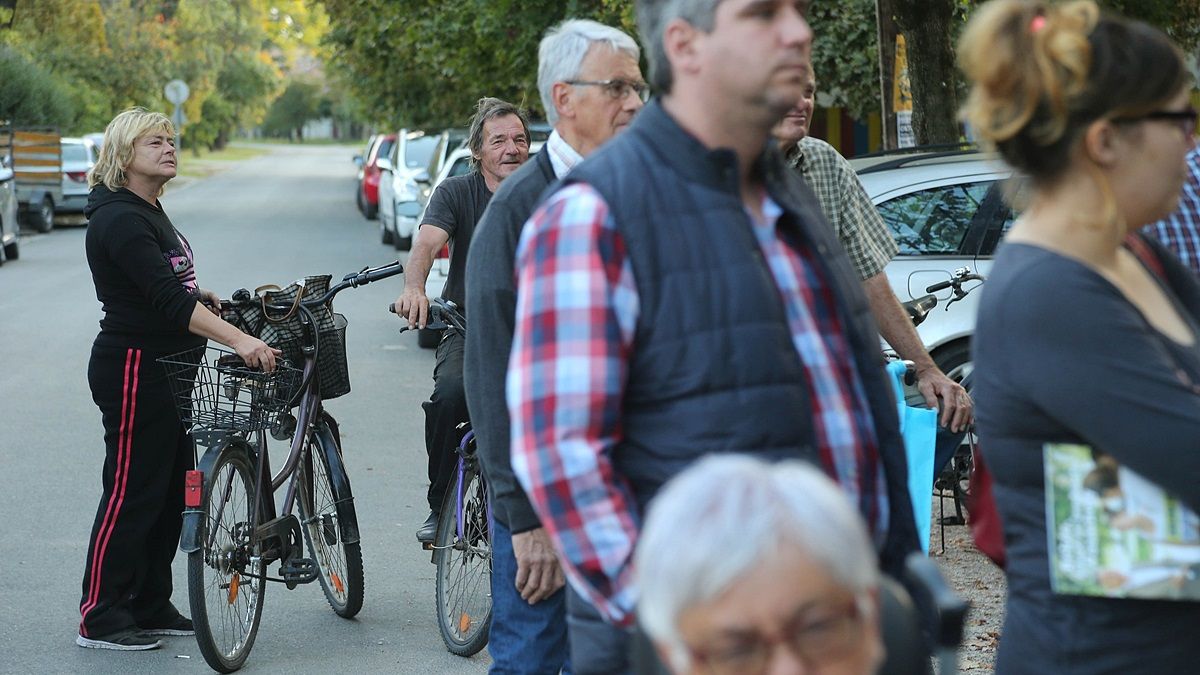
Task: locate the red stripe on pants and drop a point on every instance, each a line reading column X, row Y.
column 133, row 361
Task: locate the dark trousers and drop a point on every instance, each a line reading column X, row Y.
column 597, row 647
column 127, row 577
column 444, row 411
column 525, row 639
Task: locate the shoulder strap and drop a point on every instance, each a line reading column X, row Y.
column 1138, row 246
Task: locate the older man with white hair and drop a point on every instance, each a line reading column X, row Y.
column 591, row 88
column 748, row 567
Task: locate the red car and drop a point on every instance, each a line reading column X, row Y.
column 367, row 195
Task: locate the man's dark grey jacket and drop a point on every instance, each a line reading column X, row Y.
column 713, row 366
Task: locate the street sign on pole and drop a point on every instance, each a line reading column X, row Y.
column 177, row 92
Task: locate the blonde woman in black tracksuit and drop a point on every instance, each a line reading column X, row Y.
column 144, row 274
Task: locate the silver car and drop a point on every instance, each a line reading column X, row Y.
column 946, row 210
column 78, row 157
column 9, row 228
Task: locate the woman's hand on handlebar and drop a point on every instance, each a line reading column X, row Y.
column 256, row 353
column 413, row 305
column 211, row 300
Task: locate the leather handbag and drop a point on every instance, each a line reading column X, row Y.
column 982, row 515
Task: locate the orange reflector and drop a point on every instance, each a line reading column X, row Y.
column 337, row 582
column 234, row 584
column 464, row 622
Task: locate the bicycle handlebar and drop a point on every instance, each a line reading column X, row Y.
column 351, row 280
column 442, row 314
column 955, row 282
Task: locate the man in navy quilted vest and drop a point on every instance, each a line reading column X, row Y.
column 679, row 295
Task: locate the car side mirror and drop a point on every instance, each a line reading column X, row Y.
column 358, row 161
column 421, row 176
column 384, row 164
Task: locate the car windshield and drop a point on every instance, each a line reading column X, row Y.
column 419, row 151
column 75, row 153
column 461, row 167
column 933, row 221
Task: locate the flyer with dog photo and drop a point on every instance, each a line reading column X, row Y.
column 1112, row 533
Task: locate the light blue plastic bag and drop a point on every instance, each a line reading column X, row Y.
column 919, row 428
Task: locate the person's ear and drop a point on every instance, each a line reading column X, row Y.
column 562, row 97
column 1102, row 143
column 681, row 44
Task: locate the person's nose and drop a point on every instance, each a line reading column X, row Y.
column 794, row 30
column 785, row 661
column 632, row 101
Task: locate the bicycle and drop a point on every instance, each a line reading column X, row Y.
column 232, row 530
column 952, row 463
column 462, row 547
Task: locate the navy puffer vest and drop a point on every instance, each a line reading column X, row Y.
column 713, row 367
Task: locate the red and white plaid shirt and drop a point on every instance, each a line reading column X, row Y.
column 577, row 310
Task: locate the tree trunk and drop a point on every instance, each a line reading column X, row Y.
column 931, row 68
column 221, row 140
column 885, row 19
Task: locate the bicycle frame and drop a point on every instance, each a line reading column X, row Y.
column 463, row 457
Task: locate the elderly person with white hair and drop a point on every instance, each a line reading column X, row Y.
column 746, row 566
column 591, row 88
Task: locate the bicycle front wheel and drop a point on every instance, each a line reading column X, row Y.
column 325, row 506
column 463, row 556
column 225, row 575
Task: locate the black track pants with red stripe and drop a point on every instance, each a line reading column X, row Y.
column 127, row 578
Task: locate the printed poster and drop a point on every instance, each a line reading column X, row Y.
column 1112, row 533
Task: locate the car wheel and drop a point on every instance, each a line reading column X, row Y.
column 954, row 359
column 43, row 218
column 12, row 251
column 385, row 235
column 359, row 201
column 372, row 211
column 403, row 243
column 428, row 338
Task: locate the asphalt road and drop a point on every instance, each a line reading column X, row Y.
column 267, row 220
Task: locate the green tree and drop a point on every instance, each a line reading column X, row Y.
column 298, row 104
column 29, row 94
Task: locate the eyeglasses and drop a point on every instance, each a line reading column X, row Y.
column 1186, row 119
column 817, row 638
column 617, row 89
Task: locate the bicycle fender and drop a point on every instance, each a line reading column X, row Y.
column 340, row 482
column 189, row 537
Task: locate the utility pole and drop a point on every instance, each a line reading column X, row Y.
column 886, row 23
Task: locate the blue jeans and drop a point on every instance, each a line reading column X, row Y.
column 525, row 639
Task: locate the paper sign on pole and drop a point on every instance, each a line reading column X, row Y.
column 902, row 97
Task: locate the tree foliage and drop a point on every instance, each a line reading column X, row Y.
column 99, row 57
column 426, row 62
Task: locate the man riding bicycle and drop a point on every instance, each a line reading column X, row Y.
column 499, row 143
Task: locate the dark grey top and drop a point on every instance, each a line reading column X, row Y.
column 1061, row 356
column 491, row 292
column 456, row 206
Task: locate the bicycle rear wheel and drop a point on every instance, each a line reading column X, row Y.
column 225, row 584
column 464, row 566
column 324, row 507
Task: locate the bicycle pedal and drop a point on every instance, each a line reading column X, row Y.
column 299, row 571
column 427, row 545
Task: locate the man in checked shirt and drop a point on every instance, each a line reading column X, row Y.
column 679, row 295
column 870, row 246
column 1180, row 231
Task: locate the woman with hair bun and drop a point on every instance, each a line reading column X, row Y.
column 1087, row 332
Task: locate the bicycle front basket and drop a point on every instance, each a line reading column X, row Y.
column 214, row 390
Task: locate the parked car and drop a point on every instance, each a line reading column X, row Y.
column 10, row 229
column 946, row 211
column 408, row 204
column 403, row 174
column 367, row 195
column 78, row 157
column 35, row 157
